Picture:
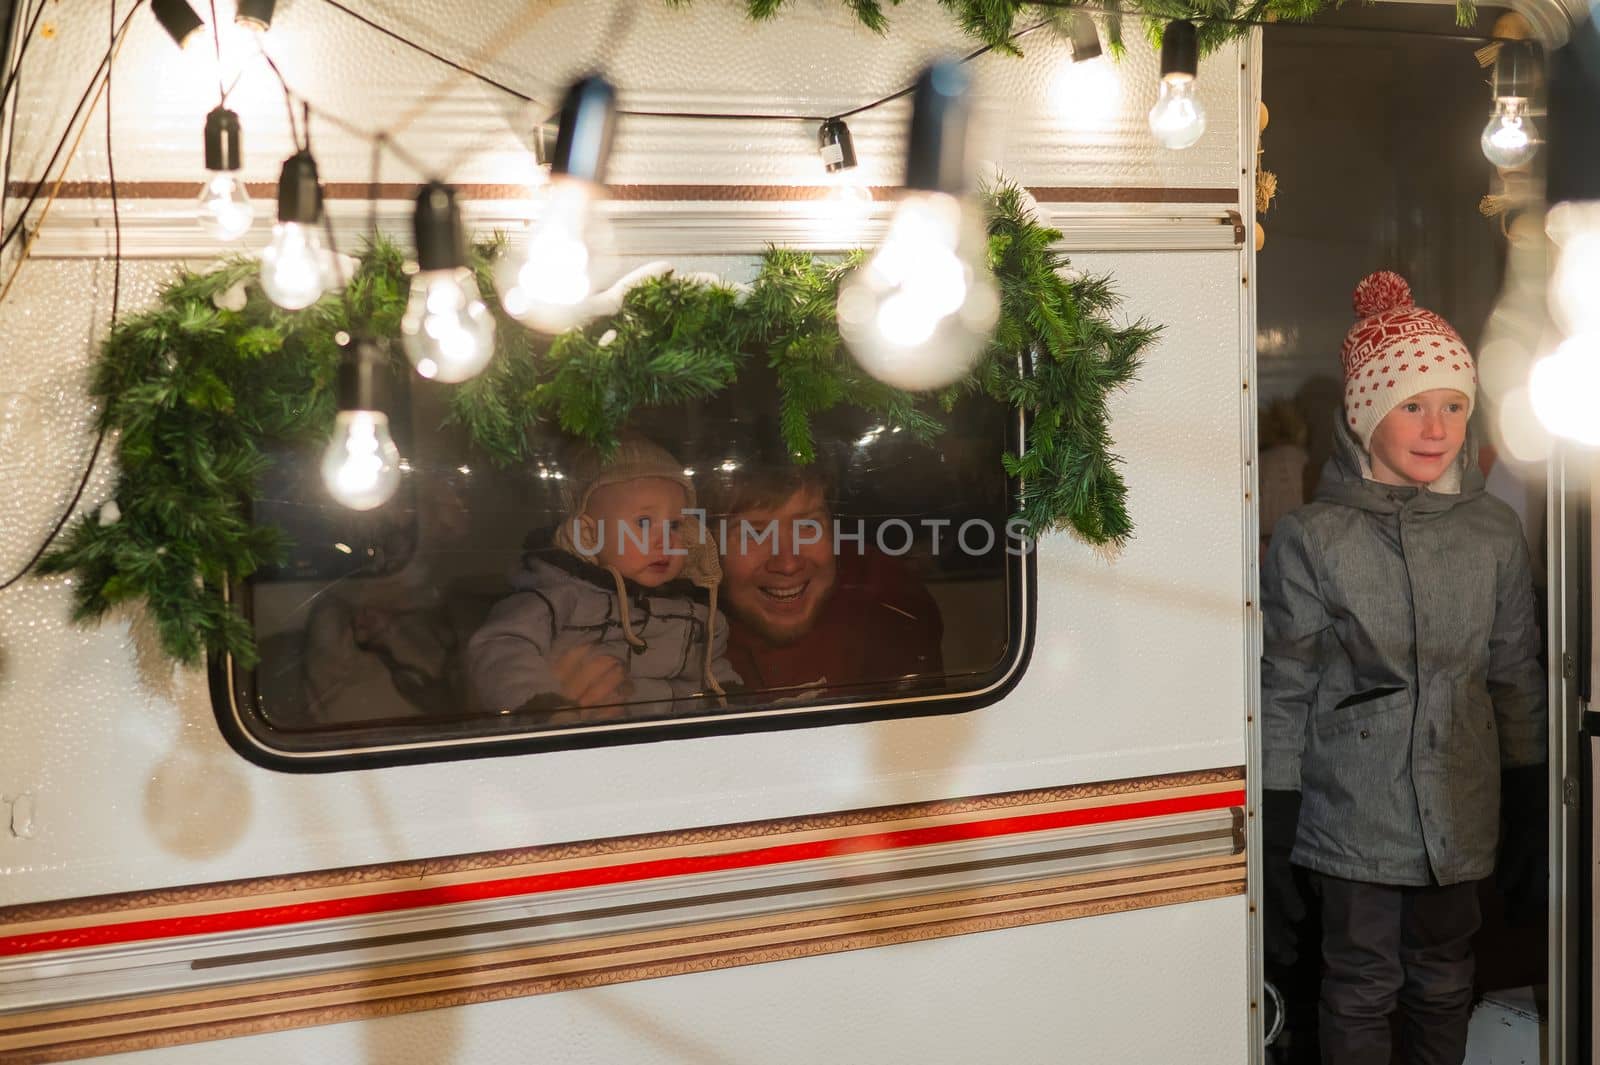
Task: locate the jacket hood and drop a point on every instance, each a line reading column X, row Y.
column 1347, row 478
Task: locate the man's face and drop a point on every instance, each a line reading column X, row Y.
column 779, row 585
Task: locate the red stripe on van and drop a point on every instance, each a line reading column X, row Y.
column 538, row 883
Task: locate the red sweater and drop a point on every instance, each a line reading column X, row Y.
column 879, row 625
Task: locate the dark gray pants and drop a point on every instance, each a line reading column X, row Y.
column 1385, row 946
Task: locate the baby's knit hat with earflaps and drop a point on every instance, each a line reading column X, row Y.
column 1395, row 351
column 636, row 458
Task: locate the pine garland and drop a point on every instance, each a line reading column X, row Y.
column 993, row 22
column 1069, row 474
column 195, row 392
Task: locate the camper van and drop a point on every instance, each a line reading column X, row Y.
column 911, row 712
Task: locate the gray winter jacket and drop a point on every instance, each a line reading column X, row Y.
column 561, row 603
column 1400, row 672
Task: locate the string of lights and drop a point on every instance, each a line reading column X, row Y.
column 13, row 82
column 417, row 46
column 113, row 45
column 914, row 316
column 22, row 53
column 91, row 97
column 93, row 89
column 216, row 41
column 257, row 14
column 388, row 136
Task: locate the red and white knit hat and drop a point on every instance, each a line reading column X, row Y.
column 1395, row 351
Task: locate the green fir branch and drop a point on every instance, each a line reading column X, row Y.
column 994, row 23
column 197, row 395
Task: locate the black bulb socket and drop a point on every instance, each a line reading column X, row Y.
column 299, row 193
column 545, row 135
column 1180, row 49
column 256, row 14
column 941, row 106
column 587, row 123
column 1084, row 37
column 364, row 377
column 222, row 140
column 178, row 19
column 441, row 239
column 836, row 146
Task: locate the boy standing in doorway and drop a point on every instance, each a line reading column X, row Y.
column 1400, row 681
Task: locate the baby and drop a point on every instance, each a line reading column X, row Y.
column 610, row 617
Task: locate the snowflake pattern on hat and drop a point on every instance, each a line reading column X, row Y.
column 1392, row 327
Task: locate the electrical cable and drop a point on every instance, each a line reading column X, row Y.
column 387, row 136
column 13, row 80
column 969, row 57
column 16, row 69
column 216, row 40
column 462, row 68
column 54, row 191
column 303, row 143
column 372, row 182
column 96, row 86
column 451, row 63
column 111, row 176
column 288, row 102
column 327, row 228
column 393, row 146
column 384, row 139
column 116, row 298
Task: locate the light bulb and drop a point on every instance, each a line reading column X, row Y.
column 225, row 208
column 919, row 313
column 1510, row 138
column 1086, row 95
column 1564, row 388
column 1575, row 279
column 547, row 284
column 447, row 331
column 1177, row 120
column 361, row 466
column 293, row 266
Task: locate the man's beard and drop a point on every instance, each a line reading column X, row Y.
column 784, row 633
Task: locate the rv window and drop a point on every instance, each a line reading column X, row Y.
column 563, row 601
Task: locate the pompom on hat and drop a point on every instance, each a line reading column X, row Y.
column 1395, row 351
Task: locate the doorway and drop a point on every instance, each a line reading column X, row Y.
column 1371, row 160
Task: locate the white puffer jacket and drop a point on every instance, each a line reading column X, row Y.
column 560, row 603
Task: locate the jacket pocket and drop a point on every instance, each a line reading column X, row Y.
column 1366, row 696
column 1477, row 735
column 1366, row 714
column 1355, row 784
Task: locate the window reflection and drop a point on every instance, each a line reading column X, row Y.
column 697, row 573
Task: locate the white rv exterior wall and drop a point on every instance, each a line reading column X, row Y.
column 1043, row 995
column 1141, row 663
column 1048, row 124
